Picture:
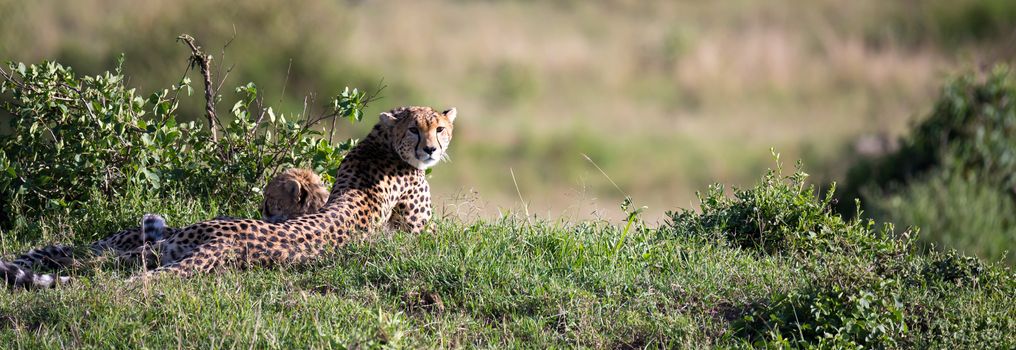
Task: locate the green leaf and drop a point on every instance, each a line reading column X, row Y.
column 152, row 178
column 237, row 107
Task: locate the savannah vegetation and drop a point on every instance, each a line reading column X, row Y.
column 775, row 258
column 768, row 265
column 699, row 91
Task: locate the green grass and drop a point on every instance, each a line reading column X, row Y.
column 696, row 98
column 510, row 283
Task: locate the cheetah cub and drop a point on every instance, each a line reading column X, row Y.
column 293, row 193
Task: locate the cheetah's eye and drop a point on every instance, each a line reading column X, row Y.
column 414, row 130
column 440, row 129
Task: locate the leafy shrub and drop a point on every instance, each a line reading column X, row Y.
column 971, row 132
column 860, row 287
column 955, row 268
column 782, row 213
column 835, row 318
column 70, row 135
column 966, row 148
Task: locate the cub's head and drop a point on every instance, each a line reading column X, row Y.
column 292, row 193
column 420, row 135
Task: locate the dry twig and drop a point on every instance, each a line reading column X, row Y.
column 204, row 61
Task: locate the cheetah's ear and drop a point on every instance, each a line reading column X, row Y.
column 450, row 113
column 387, row 118
column 293, row 188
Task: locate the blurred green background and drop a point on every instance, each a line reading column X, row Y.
column 664, row 96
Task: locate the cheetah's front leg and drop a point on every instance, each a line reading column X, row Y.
column 411, row 215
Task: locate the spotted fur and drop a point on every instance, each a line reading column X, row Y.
column 290, row 194
column 19, row 273
column 17, row 276
column 381, row 183
column 153, row 228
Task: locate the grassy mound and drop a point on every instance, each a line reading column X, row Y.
column 772, row 265
column 708, row 278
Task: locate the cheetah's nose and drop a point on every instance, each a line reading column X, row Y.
column 429, row 150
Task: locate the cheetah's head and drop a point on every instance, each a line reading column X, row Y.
column 420, row 135
column 292, row 193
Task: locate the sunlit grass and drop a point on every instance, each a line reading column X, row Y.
column 513, row 282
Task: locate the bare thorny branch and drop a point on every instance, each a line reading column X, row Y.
column 222, row 58
column 203, row 61
column 10, row 77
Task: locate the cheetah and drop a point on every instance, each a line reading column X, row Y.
column 294, row 192
column 381, row 183
column 290, row 194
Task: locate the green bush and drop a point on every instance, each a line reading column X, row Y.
column 780, row 214
column 851, row 285
column 834, row 318
column 71, row 135
column 955, row 173
column 955, row 268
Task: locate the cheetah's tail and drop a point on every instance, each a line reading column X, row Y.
column 20, row 277
column 54, row 256
column 153, row 226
